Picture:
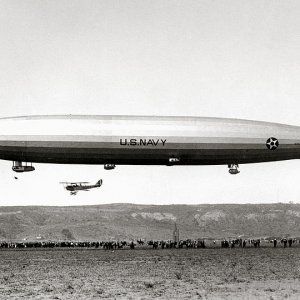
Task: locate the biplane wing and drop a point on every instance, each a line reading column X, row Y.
column 78, row 182
column 66, row 182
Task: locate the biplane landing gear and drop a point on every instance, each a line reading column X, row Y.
column 21, row 167
column 233, row 169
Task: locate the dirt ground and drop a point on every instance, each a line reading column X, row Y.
column 262, row 273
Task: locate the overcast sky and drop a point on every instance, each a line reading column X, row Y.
column 238, row 59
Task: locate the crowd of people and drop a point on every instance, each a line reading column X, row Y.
column 152, row 244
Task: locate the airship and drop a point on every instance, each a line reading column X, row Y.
column 144, row 140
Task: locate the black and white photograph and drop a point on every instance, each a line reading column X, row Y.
column 150, row 149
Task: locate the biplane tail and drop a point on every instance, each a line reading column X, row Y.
column 99, row 182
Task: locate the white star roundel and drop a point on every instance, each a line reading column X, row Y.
column 272, row 143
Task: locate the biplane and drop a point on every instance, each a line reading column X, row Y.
column 75, row 187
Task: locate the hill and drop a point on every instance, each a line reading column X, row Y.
column 130, row 221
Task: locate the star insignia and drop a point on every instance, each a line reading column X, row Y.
column 272, row 143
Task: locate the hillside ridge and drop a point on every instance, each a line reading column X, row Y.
column 126, row 221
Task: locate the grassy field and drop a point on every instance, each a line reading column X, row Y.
column 263, row 273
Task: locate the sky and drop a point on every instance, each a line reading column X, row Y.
column 235, row 59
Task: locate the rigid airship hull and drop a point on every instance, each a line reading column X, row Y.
column 142, row 140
